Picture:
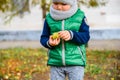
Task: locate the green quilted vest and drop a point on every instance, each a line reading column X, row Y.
column 67, row 53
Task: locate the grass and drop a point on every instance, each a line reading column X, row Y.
column 20, row 63
column 30, row 64
column 103, row 65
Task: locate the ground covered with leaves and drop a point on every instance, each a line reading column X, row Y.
column 30, row 64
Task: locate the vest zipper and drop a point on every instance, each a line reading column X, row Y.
column 81, row 54
column 63, row 47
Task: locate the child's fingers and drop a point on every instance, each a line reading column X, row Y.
column 57, row 41
column 64, row 35
column 67, row 38
column 53, row 42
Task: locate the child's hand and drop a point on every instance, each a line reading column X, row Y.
column 65, row 35
column 54, row 42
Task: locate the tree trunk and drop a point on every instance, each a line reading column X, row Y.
column 45, row 7
column 44, row 13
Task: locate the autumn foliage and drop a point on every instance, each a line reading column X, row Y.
column 30, row 64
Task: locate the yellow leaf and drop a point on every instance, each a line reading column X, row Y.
column 55, row 35
column 112, row 79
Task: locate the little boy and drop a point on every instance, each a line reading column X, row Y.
column 67, row 52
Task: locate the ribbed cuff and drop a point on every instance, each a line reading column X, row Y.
column 48, row 44
column 71, row 33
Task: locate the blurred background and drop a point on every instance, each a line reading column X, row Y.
column 21, row 22
column 22, row 57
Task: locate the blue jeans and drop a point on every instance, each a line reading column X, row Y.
column 73, row 72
